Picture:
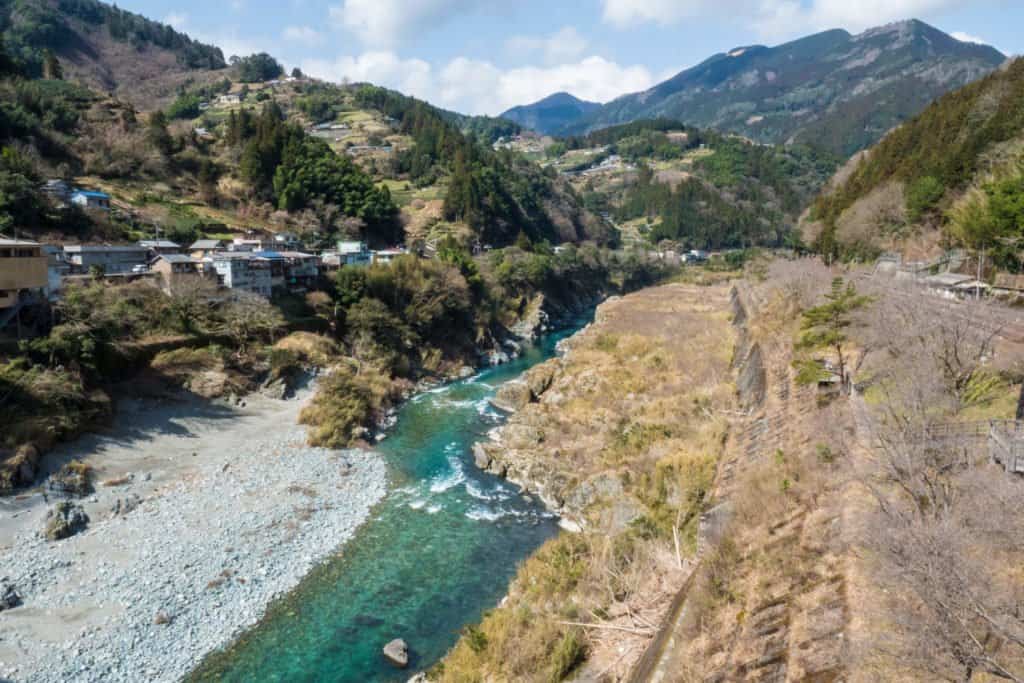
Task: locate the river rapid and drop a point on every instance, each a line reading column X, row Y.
column 438, row 551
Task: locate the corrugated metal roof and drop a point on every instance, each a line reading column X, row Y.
column 79, row 248
column 175, row 258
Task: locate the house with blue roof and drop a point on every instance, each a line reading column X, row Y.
column 91, row 199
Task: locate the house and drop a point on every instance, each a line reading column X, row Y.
column 696, row 256
column 301, row 270
column 202, row 248
column 23, row 271
column 112, row 260
column 352, row 253
column 277, row 264
column 387, row 255
column 160, row 247
column 174, row 269
column 946, row 284
column 252, row 244
column 287, row 241
column 228, row 100
column 59, row 192
column 91, row 199
column 241, row 272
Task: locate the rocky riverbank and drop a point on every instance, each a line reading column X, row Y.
column 202, row 515
column 621, row 436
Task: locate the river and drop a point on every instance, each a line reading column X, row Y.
column 439, row 550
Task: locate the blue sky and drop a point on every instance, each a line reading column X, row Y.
column 483, row 56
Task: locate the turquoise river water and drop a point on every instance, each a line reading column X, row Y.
column 437, row 552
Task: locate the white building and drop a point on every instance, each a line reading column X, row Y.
column 352, row 253
column 113, row 260
column 387, row 255
column 242, row 272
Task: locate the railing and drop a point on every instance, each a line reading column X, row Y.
column 1006, row 445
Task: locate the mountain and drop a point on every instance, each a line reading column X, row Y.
column 953, row 174
column 106, row 48
column 833, row 89
column 551, row 114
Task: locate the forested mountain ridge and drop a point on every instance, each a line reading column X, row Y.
column 104, row 47
column 551, row 114
column 832, row 89
column 956, row 172
column 301, row 156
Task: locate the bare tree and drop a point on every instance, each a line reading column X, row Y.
column 190, row 299
column 958, row 603
column 247, row 317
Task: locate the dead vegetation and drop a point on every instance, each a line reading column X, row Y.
column 628, row 435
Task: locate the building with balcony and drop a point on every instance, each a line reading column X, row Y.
column 23, row 271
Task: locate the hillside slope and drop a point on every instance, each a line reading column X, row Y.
column 953, row 170
column 700, row 189
column 832, row 88
column 106, row 48
column 551, row 114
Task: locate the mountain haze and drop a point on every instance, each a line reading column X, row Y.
column 839, row 90
column 551, row 114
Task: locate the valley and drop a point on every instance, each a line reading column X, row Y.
column 306, row 378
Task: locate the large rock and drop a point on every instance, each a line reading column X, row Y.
column 540, row 378
column 397, row 652
column 481, row 457
column 512, row 396
column 73, row 479
column 9, row 598
column 19, row 469
column 65, row 520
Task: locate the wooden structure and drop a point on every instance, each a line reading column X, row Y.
column 1006, row 444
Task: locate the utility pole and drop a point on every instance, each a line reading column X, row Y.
column 977, row 284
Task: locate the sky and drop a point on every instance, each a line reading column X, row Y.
column 484, row 56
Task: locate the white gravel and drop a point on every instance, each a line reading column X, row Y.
column 235, row 510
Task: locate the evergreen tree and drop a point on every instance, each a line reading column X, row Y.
column 824, row 328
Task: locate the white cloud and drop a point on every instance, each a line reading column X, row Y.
column 176, row 20
column 563, row 46
column 382, row 23
column 305, row 35
column 478, row 86
column 410, row 76
column 623, row 13
column 774, row 18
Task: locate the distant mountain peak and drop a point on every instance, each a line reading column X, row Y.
column 552, row 113
column 831, row 88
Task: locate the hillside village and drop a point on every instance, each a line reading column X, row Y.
column 720, row 381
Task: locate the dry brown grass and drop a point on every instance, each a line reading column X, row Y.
column 310, row 348
column 639, row 409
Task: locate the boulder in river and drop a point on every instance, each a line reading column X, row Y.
column 65, row 520
column 397, row 652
